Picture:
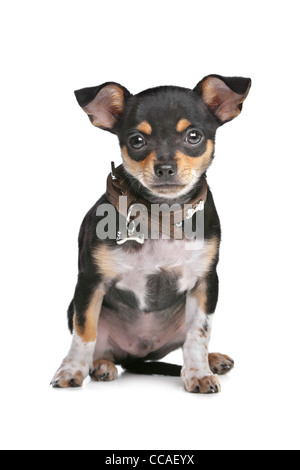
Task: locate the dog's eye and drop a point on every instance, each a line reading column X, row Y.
column 194, row 137
column 137, row 142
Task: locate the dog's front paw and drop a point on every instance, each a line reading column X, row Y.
column 70, row 375
column 104, row 371
column 205, row 385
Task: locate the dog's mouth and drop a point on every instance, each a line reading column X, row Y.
column 168, row 190
column 167, row 186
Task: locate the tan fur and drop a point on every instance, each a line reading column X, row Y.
column 188, row 166
column 212, row 251
column 145, row 127
column 108, row 102
column 209, row 92
column 201, row 289
column 89, row 332
column 206, row 385
column 216, row 93
column 64, row 381
column 104, row 371
column 103, row 257
column 182, row 125
column 220, row 363
column 141, row 169
column 200, row 294
column 117, row 99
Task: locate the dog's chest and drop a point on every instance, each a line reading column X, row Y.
column 160, row 270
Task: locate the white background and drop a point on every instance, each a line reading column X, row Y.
column 53, row 168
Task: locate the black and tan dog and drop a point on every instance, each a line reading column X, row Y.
column 138, row 300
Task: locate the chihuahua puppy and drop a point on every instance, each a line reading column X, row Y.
column 137, row 299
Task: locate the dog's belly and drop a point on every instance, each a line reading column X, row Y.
column 143, row 314
column 148, row 336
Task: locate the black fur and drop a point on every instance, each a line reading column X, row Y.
column 163, row 295
column 150, row 106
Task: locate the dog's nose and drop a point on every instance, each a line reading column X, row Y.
column 165, row 171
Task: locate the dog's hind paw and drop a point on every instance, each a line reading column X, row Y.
column 220, row 364
column 103, row 371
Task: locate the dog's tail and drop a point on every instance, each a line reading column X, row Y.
column 153, row 368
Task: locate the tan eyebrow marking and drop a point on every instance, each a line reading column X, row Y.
column 145, row 128
column 182, row 125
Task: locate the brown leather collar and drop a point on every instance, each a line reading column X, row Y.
column 116, row 188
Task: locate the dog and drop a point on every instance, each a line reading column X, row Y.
column 137, row 299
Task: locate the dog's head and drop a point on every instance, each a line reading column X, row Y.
column 166, row 134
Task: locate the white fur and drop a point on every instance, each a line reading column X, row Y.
column 191, row 261
column 195, row 349
column 134, row 268
column 79, row 359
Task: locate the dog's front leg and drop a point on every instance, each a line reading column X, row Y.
column 87, row 306
column 196, row 372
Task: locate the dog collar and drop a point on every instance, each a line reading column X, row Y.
column 117, row 188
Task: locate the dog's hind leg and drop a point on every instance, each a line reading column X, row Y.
column 219, row 364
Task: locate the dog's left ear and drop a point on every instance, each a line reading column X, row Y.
column 103, row 104
column 224, row 95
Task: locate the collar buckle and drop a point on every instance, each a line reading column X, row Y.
column 113, row 171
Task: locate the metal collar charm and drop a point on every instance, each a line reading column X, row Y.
column 192, row 212
column 132, row 235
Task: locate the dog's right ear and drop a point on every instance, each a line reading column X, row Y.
column 103, row 104
column 224, row 95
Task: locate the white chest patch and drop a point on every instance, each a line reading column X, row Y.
column 189, row 260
